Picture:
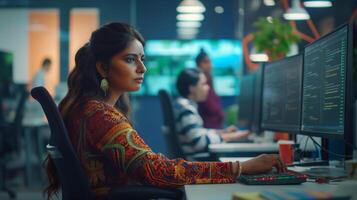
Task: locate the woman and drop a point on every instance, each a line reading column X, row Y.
column 210, row 109
column 193, row 88
column 109, row 148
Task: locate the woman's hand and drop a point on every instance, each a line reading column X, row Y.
column 263, row 163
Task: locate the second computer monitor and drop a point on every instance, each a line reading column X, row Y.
column 256, row 128
column 326, row 107
column 281, row 100
column 250, row 101
column 246, row 102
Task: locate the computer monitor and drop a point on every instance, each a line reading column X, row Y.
column 6, row 65
column 246, row 102
column 166, row 58
column 354, row 56
column 281, row 100
column 258, row 82
column 6, row 74
column 328, row 86
column 249, row 101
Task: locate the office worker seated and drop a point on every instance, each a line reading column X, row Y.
column 210, row 109
column 193, row 88
column 111, row 151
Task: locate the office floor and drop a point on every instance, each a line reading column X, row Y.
column 24, row 194
column 15, row 182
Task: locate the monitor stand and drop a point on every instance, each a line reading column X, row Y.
column 326, row 171
column 317, row 169
column 320, row 168
column 324, row 157
column 311, row 163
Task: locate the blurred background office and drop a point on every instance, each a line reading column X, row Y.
column 232, row 33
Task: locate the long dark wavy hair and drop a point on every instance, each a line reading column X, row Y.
column 84, row 80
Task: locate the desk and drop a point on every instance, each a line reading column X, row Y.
column 32, row 123
column 225, row 191
column 33, row 120
column 247, row 149
column 242, row 149
column 234, row 159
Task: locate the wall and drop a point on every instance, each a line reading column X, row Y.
column 44, row 43
column 83, row 21
column 14, row 38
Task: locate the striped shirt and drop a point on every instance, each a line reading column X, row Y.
column 193, row 137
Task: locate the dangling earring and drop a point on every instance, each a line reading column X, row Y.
column 104, row 85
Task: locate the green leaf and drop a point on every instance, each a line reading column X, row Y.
column 274, row 37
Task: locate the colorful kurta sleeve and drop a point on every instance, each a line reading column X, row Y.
column 111, row 133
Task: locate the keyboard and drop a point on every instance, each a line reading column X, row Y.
column 274, row 178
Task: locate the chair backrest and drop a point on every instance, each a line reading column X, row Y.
column 74, row 182
column 16, row 125
column 1, row 108
column 169, row 128
column 20, row 109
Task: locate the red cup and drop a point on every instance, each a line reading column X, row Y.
column 286, row 151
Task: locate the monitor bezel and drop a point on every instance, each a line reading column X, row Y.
column 348, row 90
column 281, row 129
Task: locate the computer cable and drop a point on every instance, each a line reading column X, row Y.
column 350, row 145
column 328, row 151
column 302, row 153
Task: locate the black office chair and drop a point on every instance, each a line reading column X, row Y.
column 2, row 118
column 169, row 127
column 9, row 138
column 170, row 133
column 12, row 130
column 74, row 182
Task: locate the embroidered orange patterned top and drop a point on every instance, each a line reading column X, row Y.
column 112, row 153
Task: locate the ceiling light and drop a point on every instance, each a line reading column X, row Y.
column 187, row 31
column 186, row 37
column 190, row 17
column 269, row 2
column 317, row 4
column 219, row 9
column 191, row 6
column 257, row 56
column 188, row 24
column 296, row 12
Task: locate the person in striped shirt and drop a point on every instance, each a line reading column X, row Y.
column 193, row 88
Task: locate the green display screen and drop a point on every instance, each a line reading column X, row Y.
column 166, row 58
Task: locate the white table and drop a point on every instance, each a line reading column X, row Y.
column 244, row 147
column 247, row 149
column 32, row 124
column 225, row 191
column 234, row 159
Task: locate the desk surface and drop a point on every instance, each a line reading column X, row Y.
column 243, row 147
column 225, row 191
column 265, row 147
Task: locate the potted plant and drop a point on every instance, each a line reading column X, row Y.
column 273, row 37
